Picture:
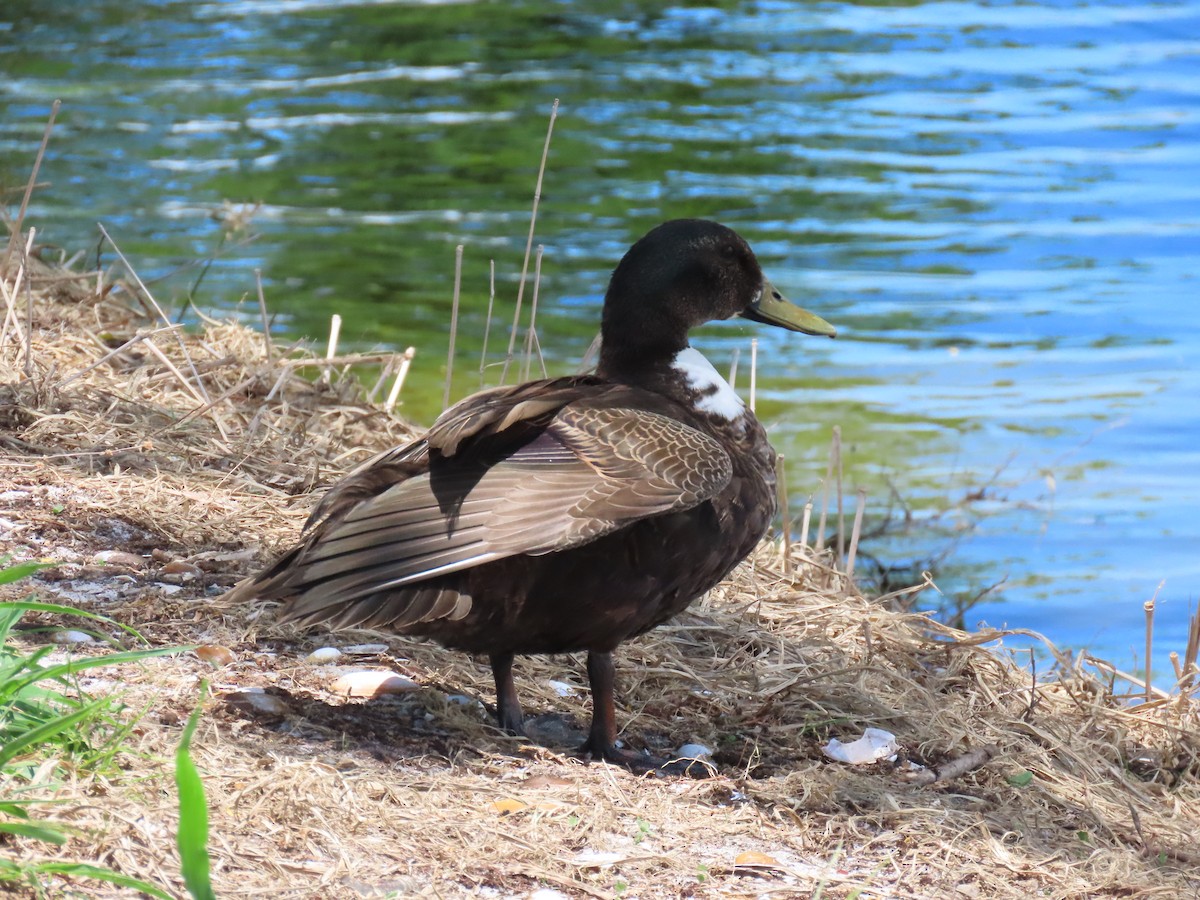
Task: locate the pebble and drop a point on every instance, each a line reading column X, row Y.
column 256, row 702
column 72, row 637
column 215, row 654
column 323, row 656
column 120, row 558
column 373, row 683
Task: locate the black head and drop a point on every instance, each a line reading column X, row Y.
column 680, row 275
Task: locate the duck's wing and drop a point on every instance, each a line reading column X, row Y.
column 587, row 471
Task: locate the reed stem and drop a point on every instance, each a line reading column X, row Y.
column 858, row 520
column 487, row 326
column 401, row 374
column 268, row 347
column 1148, row 607
column 335, row 333
column 28, row 248
column 537, row 196
column 458, row 258
column 15, row 238
column 530, row 332
column 841, row 512
column 753, row 371
column 786, row 521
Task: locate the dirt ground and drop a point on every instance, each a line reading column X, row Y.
column 157, row 466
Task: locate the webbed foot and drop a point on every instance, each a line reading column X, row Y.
column 645, row 763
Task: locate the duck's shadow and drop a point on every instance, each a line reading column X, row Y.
column 413, row 725
column 421, row 725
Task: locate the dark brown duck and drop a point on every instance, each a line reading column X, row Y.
column 565, row 514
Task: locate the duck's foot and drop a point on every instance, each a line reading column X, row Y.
column 602, row 737
column 645, row 763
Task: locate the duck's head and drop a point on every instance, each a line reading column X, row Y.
column 682, row 274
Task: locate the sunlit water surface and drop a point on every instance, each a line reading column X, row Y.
column 997, row 203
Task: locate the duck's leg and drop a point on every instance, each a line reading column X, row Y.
column 602, row 737
column 508, row 706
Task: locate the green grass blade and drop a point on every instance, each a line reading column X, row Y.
column 8, row 618
column 22, row 570
column 79, row 664
column 98, row 873
column 62, row 610
column 38, row 832
column 193, row 815
column 40, row 735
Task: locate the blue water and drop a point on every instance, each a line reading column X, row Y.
column 997, row 203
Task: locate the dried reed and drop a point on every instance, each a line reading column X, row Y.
column 785, row 516
column 335, row 334
column 537, row 196
column 15, row 237
column 268, row 346
column 458, row 259
column 753, row 371
column 531, row 330
column 487, row 325
column 763, row 670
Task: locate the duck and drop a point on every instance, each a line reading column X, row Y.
column 565, row 514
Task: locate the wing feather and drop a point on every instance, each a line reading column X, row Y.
column 469, row 494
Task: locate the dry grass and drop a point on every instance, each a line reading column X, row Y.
column 190, row 449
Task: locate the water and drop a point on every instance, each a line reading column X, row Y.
column 997, row 203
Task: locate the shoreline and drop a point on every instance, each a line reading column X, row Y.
column 198, row 452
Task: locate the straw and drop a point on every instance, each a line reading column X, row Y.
column 537, row 196
column 1024, row 784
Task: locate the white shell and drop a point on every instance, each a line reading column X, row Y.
column 373, row 683
column 256, row 701
column 365, row 649
column 72, row 637
column 715, row 396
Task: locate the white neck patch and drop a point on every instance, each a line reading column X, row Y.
column 714, row 395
